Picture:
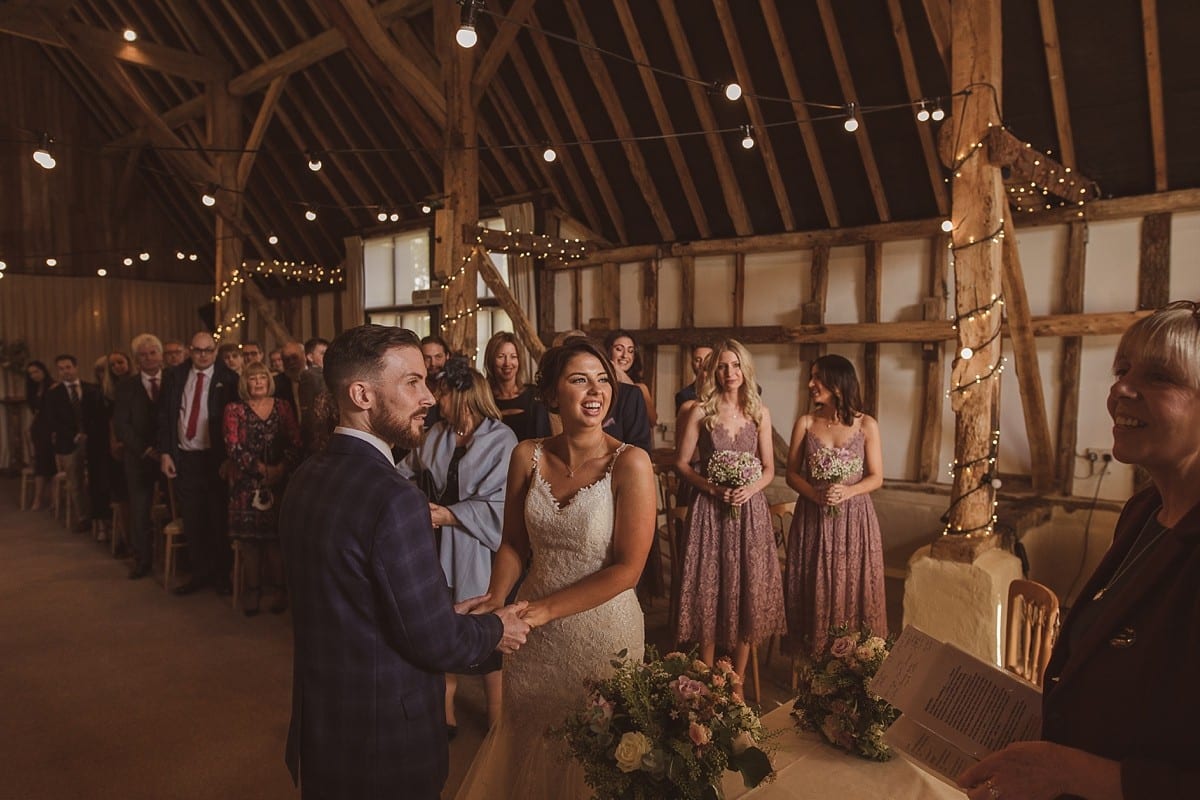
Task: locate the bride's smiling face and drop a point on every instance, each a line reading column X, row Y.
column 584, row 392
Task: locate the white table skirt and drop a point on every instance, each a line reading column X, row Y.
column 808, row 768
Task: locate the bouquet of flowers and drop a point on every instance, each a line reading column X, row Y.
column 835, row 697
column 665, row 728
column 734, row 468
column 833, row 465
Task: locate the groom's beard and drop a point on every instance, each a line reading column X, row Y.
column 397, row 430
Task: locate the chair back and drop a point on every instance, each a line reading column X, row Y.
column 1033, row 618
column 781, row 523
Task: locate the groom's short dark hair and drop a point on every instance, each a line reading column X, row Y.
column 357, row 354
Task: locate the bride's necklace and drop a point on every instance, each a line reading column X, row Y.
column 572, row 470
column 1133, row 557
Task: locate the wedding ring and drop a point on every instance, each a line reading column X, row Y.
column 993, row 792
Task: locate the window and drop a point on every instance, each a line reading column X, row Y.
column 499, row 259
column 395, row 267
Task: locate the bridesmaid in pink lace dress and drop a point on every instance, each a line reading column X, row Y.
column 834, row 571
column 730, row 593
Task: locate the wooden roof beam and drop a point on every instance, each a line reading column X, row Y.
column 913, row 84
column 522, row 241
column 259, row 130
column 506, row 35
column 30, row 24
column 638, row 49
column 1035, row 172
column 1158, row 125
column 616, row 112
column 1058, row 82
column 804, row 121
column 846, row 80
column 731, row 190
column 938, row 14
column 742, row 69
column 567, row 100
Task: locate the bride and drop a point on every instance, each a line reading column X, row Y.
column 582, row 505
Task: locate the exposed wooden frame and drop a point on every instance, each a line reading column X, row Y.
column 637, row 49
column 735, row 202
column 761, row 132
column 1154, row 261
column 1058, row 82
column 938, row 14
column 518, row 131
column 650, row 320
column 521, row 324
column 872, row 278
column 532, row 243
column 804, row 121
column 1158, row 124
column 265, row 112
column 1069, row 367
column 739, row 289
column 610, row 98
column 812, row 312
column 507, row 29
column 912, row 83
column 846, row 81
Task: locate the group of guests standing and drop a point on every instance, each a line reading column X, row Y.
column 215, row 433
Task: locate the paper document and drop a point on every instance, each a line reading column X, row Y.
column 956, row 709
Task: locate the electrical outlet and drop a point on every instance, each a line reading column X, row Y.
column 1096, row 455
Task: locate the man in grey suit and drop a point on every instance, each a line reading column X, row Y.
column 135, row 423
column 373, row 623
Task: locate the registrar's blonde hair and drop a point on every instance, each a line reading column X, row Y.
column 1168, row 338
column 748, row 398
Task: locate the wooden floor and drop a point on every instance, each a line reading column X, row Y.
column 111, row 688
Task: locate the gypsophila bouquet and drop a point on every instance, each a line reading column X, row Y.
column 665, row 728
column 835, row 697
column 734, row 468
column 831, row 465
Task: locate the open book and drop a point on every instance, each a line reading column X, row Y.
column 956, row 708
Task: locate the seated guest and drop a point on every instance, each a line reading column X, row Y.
column 75, row 411
column 502, row 362
column 262, row 439
column 231, row 356
column 700, row 354
column 626, row 357
column 1120, row 698
column 37, row 384
column 135, row 421
column 462, row 466
column 252, row 352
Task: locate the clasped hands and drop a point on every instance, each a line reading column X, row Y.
column 734, row 497
column 831, row 495
column 518, row 619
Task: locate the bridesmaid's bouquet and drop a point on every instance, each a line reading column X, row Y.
column 833, row 465
column 734, row 469
column 665, row 728
column 835, row 697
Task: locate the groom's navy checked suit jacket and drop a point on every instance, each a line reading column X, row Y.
column 374, row 630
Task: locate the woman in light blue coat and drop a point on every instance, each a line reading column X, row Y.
column 462, row 466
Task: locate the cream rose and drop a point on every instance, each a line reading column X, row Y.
column 630, row 749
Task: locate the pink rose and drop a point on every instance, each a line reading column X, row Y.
column 699, row 734
column 687, row 691
column 842, row 646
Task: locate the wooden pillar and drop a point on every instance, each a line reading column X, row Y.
column 813, row 312
column 1154, row 261
column 1072, row 351
column 979, row 207
column 650, row 320
column 225, row 137
column 870, row 382
column 460, row 183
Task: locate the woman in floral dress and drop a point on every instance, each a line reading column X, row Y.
column 262, row 438
column 730, row 595
column 834, row 573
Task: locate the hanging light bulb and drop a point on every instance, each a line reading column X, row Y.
column 130, row 35
column 966, row 353
column 394, row 216
column 314, row 162
column 209, row 198
column 382, row 215
column 923, row 112
column 732, row 91
column 938, row 114
column 549, row 155
column 143, row 256
column 102, row 272
column 747, row 138
column 426, row 208
column 947, row 225
column 310, row 215
column 3, row 266
column 851, row 123
column 466, row 35
column 127, row 262
column 51, row 262
column 272, row 239
column 179, row 254
column 44, row 158
column 193, row 257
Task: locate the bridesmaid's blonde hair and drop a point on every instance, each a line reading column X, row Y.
column 748, row 399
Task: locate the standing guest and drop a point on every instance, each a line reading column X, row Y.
column 834, row 573
column 627, row 358
column 252, row 353
column 691, row 392
column 262, row 439
column 287, row 382
column 108, row 454
column 73, row 408
column 231, row 356
column 192, row 452
column 37, row 385
column 275, row 361
column 374, row 626
column 462, row 466
column 314, row 352
column 434, row 352
column 502, row 362
column 135, row 423
column 174, row 353
column 730, row 592
column 1120, row 698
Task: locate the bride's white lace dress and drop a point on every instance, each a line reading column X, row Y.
column 544, row 680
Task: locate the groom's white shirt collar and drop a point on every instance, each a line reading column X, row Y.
column 369, row 438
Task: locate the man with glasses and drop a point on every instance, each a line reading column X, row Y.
column 252, row 353
column 174, row 353
column 192, row 450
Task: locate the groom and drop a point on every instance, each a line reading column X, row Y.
column 374, row 626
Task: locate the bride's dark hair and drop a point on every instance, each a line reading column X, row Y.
column 555, row 361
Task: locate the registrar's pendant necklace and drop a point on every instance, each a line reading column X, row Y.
column 1131, row 559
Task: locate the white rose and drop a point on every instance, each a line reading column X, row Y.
column 630, row 749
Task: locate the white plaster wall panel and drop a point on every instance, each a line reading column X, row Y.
column 1043, row 253
column 1110, row 274
column 670, row 290
column 1095, row 426
column 562, row 299
column 901, row 372
column 631, row 295
column 778, row 373
column 903, row 280
column 776, row 285
column 1014, row 440
column 847, row 268
column 589, row 285
column 1185, row 256
column 714, row 291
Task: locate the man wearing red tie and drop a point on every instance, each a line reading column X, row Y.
column 192, row 450
column 135, row 423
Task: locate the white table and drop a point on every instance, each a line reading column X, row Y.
column 809, row 768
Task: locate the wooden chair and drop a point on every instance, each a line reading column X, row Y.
column 781, row 523
column 27, row 483
column 119, row 536
column 172, row 537
column 1033, row 619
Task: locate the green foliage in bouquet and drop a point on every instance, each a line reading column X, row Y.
column 834, row 698
column 665, row 728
